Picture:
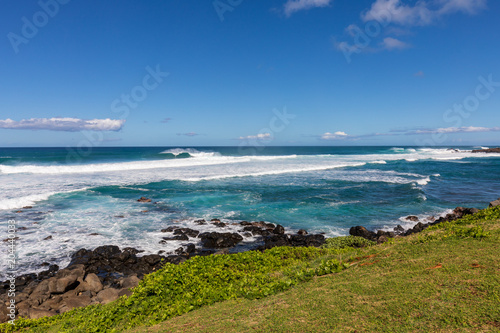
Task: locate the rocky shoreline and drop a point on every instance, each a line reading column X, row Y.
column 104, row 274
column 487, row 150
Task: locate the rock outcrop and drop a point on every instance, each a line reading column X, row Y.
column 488, row 150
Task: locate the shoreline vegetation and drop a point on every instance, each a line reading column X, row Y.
column 121, row 290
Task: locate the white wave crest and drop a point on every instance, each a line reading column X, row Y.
column 190, row 151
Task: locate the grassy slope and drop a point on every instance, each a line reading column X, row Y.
column 443, row 280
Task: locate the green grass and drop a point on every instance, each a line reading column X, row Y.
column 445, row 279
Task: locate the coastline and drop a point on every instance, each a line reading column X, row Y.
column 104, row 274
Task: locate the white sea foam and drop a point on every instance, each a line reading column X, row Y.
column 274, row 172
column 133, row 166
column 407, row 224
column 424, row 181
column 28, row 200
column 26, row 184
column 190, row 151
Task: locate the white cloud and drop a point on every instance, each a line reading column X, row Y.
column 449, row 130
column 422, row 13
column 263, row 136
column 390, row 43
column 466, row 6
column 292, row 6
column 334, row 136
column 64, row 124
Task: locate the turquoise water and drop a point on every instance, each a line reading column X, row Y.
column 321, row 189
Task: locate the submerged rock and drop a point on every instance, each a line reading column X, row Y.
column 412, row 218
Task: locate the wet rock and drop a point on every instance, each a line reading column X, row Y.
column 245, row 223
column 27, row 207
column 217, row 240
column 255, row 230
column 489, row 150
column 399, row 229
column 170, row 229
column 181, row 237
column 301, row 232
column 48, row 273
column 131, row 250
column 190, row 248
column 412, row 218
column 48, row 237
column 260, row 224
column 200, row 222
column 186, row 231
column 279, row 229
column 143, row 199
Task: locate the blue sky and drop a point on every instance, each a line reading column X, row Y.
column 232, row 72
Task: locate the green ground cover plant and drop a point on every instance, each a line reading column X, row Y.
column 445, row 279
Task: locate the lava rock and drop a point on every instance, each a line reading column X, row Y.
column 217, row 240
column 279, row 230
column 361, row 231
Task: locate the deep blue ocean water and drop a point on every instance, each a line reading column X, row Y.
column 321, row 189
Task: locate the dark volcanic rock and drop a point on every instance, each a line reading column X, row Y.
column 279, row 229
column 143, row 199
column 170, row 229
column 302, row 232
column 399, row 229
column 412, row 218
column 186, row 231
column 181, row 237
column 292, row 240
column 362, row 232
column 255, row 230
column 217, row 240
column 489, row 150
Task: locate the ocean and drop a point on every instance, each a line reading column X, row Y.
column 88, row 198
